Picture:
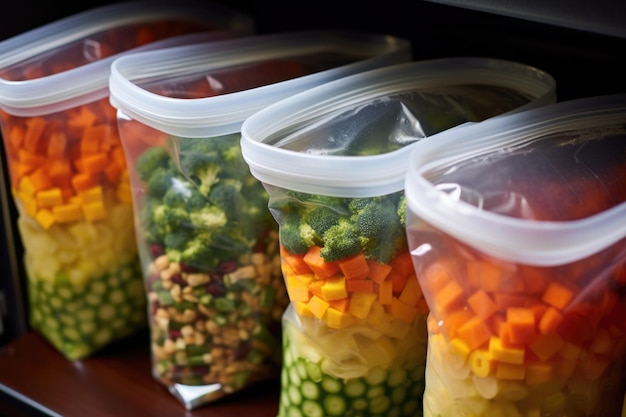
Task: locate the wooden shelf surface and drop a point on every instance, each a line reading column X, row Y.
column 114, row 382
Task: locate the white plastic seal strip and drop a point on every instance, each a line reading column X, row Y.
column 366, row 176
column 542, row 243
column 224, row 114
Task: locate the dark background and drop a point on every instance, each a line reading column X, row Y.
column 586, row 59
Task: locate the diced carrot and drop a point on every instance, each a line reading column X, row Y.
column 83, row 181
column 59, row 171
column 95, row 163
column 495, row 322
column 472, row 275
column 57, row 143
column 482, row 304
column 422, row 306
column 403, row 312
column 539, row 309
column 341, row 304
column 521, row 323
column 494, row 277
column 557, row 295
column 453, row 321
column 504, row 301
column 118, row 157
column 403, row 263
column 91, row 138
column 360, row 285
column 85, row 118
column 505, row 336
column 535, row 280
column 354, row 267
column 385, row 292
column 474, row 332
column 398, row 280
column 316, row 287
column 318, row 265
column 113, row 173
column 378, row 270
column 40, row 180
column 296, row 261
column 411, row 293
column 30, row 158
column 435, row 277
column 488, row 275
column 15, row 137
column 34, row 134
column 448, row 298
column 550, row 320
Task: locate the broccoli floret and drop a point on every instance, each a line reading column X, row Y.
column 341, row 226
column 226, row 196
column 204, row 207
column 341, row 241
column 202, row 169
column 402, row 208
column 379, row 225
column 289, row 233
column 321, row 218
column 151, row 159
column 159, row 182
column 209, row 218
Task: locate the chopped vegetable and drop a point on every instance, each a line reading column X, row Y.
column 522, row 340
column 212, row 264
column 70, row 185
column 352, row 373
column 362, row 314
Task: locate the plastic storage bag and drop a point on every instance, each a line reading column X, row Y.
column 67, row 168
column 517, row 228
column 333, row 160
column 208, row 243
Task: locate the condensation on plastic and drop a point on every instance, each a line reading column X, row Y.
column 524, row 216
column 404, row 104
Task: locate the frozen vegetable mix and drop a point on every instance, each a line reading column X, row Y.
column 68, row 173
column 209, row 245
column 518, row 242
column 355, row 331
